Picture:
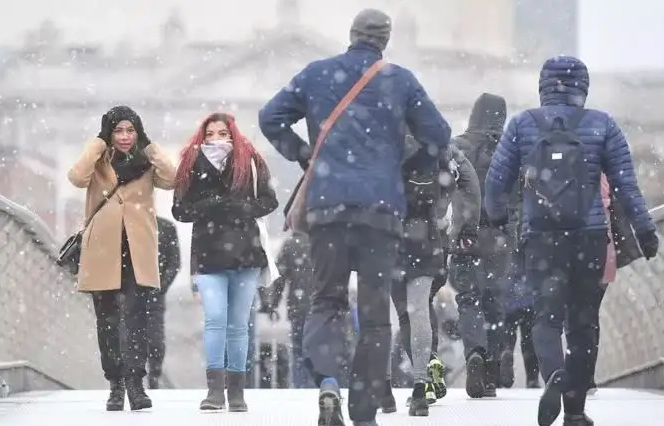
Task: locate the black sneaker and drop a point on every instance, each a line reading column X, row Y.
column 329, row 405
column 550, row 402
column 475, row 374
column 419, row 406
column 387, row 403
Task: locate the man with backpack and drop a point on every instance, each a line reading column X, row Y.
column 477, row 273
column 561, row 150
column 357, row 108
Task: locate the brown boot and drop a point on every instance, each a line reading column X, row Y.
column 236, row 383
column 215, row 400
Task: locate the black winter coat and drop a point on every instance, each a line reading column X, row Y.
column 225, row 235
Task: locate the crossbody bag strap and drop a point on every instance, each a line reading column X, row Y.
column 101, row 204
column 342, row 105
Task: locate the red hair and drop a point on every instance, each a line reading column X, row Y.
column 243, row 153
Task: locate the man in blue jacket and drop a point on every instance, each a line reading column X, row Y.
column 355, row 200
column 564, row 226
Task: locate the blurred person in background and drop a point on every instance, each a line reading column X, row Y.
column 119, row 252
column 479, row 273
column 214, row 191
column 169, row 266
column 296, row 277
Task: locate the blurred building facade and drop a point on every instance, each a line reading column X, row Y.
column 52, row 94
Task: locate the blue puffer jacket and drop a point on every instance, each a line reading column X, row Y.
column 360, row 163
column 563, row 86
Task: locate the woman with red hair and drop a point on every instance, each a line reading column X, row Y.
column 222, row 187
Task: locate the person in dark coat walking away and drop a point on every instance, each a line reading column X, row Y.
column 422, row 262
column 354, row 199
column 561, row 149
column 169, row 266
column 296, row 277
column 215, row 191
column 478, row 275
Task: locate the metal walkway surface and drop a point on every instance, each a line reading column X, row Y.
column 517, row 407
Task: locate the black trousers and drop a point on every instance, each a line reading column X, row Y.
column 523, row 320
column 336, row 250
column 156, row 333
column 121, row 326
column 566, row 270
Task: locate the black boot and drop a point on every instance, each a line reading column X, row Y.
column 116, row 399
column 419, row 407
column 138, row 399
column 387, row 403
column 475, row 375
column 153, row 381
column 550, row 403
column 578, row 420
column 236, row 383
column 492, row 375
column 215, row 399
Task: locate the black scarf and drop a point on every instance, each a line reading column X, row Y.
column 130, row 166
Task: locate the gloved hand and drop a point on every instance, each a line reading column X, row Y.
column 439, row 280
column 304, row 164
column 649, row 244
column 143, row 141
column 106, row 130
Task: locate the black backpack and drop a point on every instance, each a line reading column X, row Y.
column 423, row 193
column 557, row 192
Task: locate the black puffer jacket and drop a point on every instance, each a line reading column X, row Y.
column 225, row 234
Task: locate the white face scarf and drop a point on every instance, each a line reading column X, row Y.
column 217, row 152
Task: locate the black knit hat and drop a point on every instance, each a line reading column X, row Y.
column 120, row 113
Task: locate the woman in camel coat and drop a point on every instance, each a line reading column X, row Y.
column 119, row 248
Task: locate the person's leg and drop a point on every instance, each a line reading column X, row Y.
column 300, row 377
column 599, row 296
column 213, row 292
column 582, row 320
column 242, row 288
column 547, row 267
column 399, row 299
column 528, row 349
column 107, row 312
column 325, row 326
column 464, row 279
column 156, row 337
column 491, row 282
column 436, row 368
column 418, row 291
column 135, row 357
column 375, row 255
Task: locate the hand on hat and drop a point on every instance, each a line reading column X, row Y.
column 106, row 130
column 143, row 141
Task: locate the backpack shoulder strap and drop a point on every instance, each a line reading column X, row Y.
column 574, row 120
column 540, row 120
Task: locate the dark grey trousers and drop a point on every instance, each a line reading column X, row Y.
column 481, row 314
column 336, row 250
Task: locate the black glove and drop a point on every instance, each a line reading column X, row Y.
column 451, row 329
column 143, row 141
column 304, row 164
column 649, row 244
column 106, row 130
column 439, row 281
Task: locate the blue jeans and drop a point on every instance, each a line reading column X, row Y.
column 227, row 297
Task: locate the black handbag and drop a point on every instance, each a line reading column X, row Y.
column 69, row 256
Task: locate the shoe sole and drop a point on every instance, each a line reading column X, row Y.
column 507, row 370
column 388, row 410
column 329, row 406
column 436, row 372
column 550, row 404
column 475, row 377
column 238, row 409
column 115, row 408
column 419, row 412
column 140, row 407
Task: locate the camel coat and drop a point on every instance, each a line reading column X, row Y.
column 132, row 204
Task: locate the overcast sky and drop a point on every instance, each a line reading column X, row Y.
column 612, row 35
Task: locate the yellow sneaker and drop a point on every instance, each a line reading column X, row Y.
column 437, row 373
